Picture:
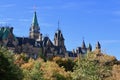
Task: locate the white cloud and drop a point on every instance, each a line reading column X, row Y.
column 7, row 5
column 31, row 9
column 69, row 5
column 5, row 20
column 116, row 13
column 110, row 41
column 2, row 22
column 46, row 25
column 8, row 19
column 24, row 20
column 46, row 7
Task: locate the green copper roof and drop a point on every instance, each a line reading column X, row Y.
column 6, row 33
column 35, row 21
column 1, row 32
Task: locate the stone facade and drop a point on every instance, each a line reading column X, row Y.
column 79, row 51
column 31, row 45
column 36, row 44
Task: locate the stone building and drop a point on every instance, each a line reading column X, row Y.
column 79, row 51
column 34, row 43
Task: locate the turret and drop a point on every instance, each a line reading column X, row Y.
column 98, row 46
column 83, row 44
column 83, row 48
column 89, row 47
column 58, row 38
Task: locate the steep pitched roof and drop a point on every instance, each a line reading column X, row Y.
column 59, row 35
column 6, row 32
column 98, row 46
column 35, row 21
column 90, row 47
column 1, row 32
column 83, row 44
column 47, row 41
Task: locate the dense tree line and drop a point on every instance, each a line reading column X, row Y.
column 93, row 66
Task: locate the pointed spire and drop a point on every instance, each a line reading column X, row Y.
column 90, row 47
column 83, row 44
column 58, row 24
column 34, row 29
column 35, row 21
column 98, row 46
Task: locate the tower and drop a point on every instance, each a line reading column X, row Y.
column 83, row 47
column 34, row 29
column 98, row 46
column 89, row 49
column 59, row 41
column 58, row 37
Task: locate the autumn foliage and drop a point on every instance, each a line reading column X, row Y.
column 93, row 66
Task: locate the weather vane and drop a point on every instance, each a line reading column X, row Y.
column 34, row 7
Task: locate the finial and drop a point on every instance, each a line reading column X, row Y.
column 58, row 24
column 83, row 44
column 83, row 38
column 34, row 8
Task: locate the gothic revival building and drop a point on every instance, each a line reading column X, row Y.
column 36, row 44
column 80, row 51
column 7, row 38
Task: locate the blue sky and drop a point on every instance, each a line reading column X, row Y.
column 95, row 20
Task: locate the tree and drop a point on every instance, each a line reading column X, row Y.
column 88, row 68
column 8, row 70
column 32, row 71
column 68, row 64
column 41, row 55
column 20, row 59
column 52, row 71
